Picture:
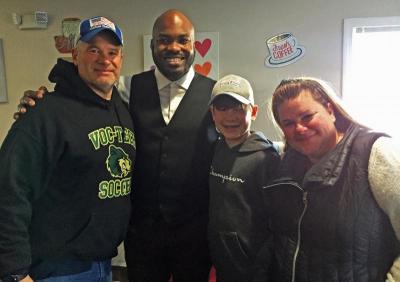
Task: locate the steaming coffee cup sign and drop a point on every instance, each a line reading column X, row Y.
column 283, row 50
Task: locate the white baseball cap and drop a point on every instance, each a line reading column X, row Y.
column 235, row 86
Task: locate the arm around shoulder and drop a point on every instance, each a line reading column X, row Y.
column 28, row 100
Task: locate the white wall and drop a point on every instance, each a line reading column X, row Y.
column 243, row 28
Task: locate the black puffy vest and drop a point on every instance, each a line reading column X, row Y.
column 326, row 222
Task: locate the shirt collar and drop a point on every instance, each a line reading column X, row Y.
column 184, row 81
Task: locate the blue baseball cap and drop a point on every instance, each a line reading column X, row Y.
column 89, row 28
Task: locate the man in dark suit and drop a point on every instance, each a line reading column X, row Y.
column 174, row 136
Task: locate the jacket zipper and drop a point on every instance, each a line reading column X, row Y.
column 305, row 202
column 296, row 253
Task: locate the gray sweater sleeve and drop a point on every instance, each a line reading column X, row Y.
column 384, row 178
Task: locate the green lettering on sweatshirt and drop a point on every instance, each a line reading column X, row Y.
column 129, row 137
column 114, row 188
column 108, row 135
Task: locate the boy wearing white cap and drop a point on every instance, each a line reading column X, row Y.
column 243, row 162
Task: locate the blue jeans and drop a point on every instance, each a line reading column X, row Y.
column 100, row 271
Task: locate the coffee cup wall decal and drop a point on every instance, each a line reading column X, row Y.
column 283, row 50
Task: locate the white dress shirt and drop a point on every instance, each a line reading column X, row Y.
column 171, row 92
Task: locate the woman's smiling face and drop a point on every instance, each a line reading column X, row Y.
column 308, row 126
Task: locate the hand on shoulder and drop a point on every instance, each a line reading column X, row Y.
column 28, row 100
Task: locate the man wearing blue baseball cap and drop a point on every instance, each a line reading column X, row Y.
column 66, row 170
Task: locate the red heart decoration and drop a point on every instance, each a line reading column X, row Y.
column 203, row 69
column 203, row 47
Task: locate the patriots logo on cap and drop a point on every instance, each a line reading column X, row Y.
column 101, row 22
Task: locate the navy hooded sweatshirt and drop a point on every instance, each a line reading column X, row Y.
column 238, row 226
column 65, row 177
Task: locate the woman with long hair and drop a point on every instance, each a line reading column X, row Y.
column 335, row 205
